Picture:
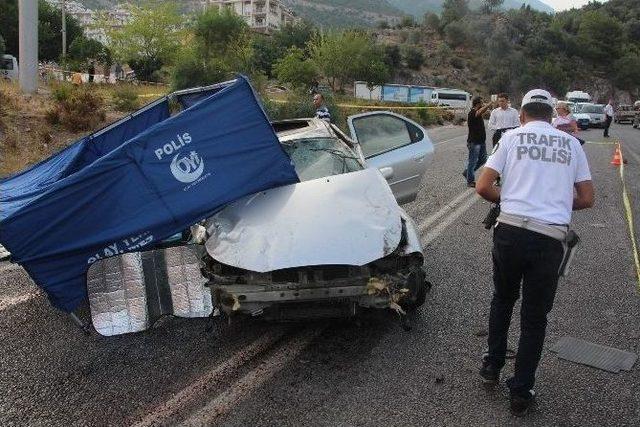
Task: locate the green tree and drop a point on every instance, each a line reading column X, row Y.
column 490, row 6
column 268, row 49
column 220, row 46
column 632, row 28
column 2, row 46
column 392, row 56
column 49, row 29
column 266, row 53
column 345, row 57
column 83, row 49
column 297, row 35
column 456, row 34
column 454, row 10
column 376, row 74
column 295, row 69
column 150, row 40
column 407, row 21
column 412, row 56
column 601, row 36
column 432, row 21
column 627, row 72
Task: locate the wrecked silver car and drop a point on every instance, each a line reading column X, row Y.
column 329, row 246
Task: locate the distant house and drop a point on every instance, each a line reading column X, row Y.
column 264, row 16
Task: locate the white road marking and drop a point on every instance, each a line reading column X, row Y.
column 439, row 229
column 447, row 208
column 252, row 381
column 225, row 401
column 6, row 303
column 188, row 396
column 448, row 140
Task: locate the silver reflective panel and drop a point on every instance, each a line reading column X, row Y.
column 129, row 292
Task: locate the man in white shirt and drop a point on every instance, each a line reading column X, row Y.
column 540, row 167
column 503, row 118
column 608, row 111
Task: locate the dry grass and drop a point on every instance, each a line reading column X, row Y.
column 26, row 133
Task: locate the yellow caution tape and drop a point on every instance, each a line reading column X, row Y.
column 629, row 212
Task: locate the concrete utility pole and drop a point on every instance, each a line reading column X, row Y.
column 28, row 45
column 64, row 30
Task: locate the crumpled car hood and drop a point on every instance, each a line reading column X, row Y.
column 347, row 219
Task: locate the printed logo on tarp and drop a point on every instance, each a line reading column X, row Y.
column 129, row 244
column 185, row 167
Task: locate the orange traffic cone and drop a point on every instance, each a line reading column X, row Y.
column 617, row 157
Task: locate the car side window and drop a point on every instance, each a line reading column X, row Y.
column 380, row 133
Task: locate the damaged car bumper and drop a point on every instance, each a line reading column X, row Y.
column 325, row 291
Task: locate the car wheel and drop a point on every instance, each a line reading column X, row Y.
column 418, row 288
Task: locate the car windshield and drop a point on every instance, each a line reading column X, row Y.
column 598, row 109
column 318, row 157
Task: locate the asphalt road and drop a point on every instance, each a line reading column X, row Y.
column 350, row 373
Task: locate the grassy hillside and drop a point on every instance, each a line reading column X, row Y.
column 596, row 48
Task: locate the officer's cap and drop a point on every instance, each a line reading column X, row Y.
column 538, row 95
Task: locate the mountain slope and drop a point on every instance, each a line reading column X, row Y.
column 419, row 7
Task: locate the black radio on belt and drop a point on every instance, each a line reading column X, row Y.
column 492, row 216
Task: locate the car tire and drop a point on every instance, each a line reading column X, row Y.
column 418, row 288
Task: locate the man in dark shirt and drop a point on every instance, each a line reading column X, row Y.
column 476, row 140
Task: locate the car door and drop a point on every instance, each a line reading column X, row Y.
column 397, row 146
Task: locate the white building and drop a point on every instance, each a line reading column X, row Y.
column 88, row 19
column 264, row 16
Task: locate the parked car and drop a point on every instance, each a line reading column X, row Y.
column 636, row 118
column 582, row 119
column 8, row 67
column 624, row 113
column 337, row 241
column 597, row 117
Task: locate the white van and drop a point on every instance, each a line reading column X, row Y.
column 8, row 67
column 451, row 98
column 577, row 96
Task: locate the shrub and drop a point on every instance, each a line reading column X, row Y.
column 82, row 110
column 456, row 34
column 61, row 91
column 412, row 56
column 432, row 21
column 448, row 115
column 125, row 99
column 457, row 62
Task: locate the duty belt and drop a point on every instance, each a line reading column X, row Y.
column 558, row 232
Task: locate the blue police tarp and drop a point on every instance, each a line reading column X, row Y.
column 19, row 189
column 158, row 183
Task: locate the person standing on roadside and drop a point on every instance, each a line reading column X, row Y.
column 476, row 140
column 322, row 112
column 565, row 121
column 503, row 118
column 608, row 111
column 92, row 71
column 541, row 167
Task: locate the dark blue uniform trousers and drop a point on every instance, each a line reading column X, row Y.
column 522, row 257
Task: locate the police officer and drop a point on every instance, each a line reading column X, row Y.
column 540, row 167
